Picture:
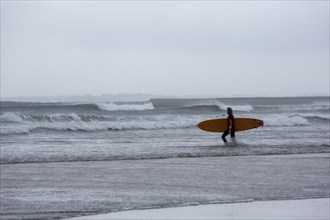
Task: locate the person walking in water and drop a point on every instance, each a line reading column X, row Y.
column 231, row 126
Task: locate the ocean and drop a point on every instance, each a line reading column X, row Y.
column 64, row 133
column 157, row 128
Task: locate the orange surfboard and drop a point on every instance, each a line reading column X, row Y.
column 220, row 125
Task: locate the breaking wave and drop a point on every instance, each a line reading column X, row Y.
column 125, row 107
column 296, row 120
column 11, row 117
column 15, row 123
column 220, row 106
column 22, row 118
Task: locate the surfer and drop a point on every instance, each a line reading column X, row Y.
column 231, row 125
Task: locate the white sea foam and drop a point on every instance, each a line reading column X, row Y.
column 73, row 122
column 239, row 108
column 7, row 130
column 289, row 120
column 311, row 115
column 20, row 117
column 125, row 107
column 242, row 108
column 63, row 117
column 222, row 106
column 10, row 117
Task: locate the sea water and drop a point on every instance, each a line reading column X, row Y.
column 158, row 128
column 68, row 159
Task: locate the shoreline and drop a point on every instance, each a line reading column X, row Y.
column 314, row 208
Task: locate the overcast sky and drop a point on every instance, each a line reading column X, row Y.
column 216, row 48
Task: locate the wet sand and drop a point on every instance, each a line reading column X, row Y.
column 316, row 209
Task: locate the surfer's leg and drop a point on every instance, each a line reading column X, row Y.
column 232, row 133
column 224, row 135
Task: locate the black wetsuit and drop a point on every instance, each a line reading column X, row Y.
column 230, row 119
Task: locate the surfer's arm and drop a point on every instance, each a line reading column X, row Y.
column 230, row 123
